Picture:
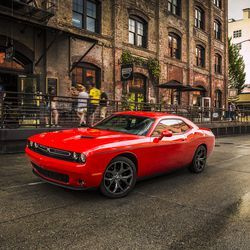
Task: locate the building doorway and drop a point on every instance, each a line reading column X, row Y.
column 137, row 88
column 14, row 73
column 198, row 97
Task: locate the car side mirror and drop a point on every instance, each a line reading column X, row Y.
column 164, row 133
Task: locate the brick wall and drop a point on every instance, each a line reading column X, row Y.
column 113, row 39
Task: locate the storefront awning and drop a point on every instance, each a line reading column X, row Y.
column 178, row 86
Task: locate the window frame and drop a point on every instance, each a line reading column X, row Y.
column 218, row 99
column 217, row 33
column 218, row 3
column 218, row 66
column 84, row 15
column 201, row 59
column 199, row 23
column 171, row 49
column 144, row 37
column 85, row 67
column 237, row 33
column 171, row 6
column 174, row 134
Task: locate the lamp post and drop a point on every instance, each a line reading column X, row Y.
column 248, row 40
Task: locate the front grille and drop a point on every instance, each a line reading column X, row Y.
column 53, row 152
column 51, row 174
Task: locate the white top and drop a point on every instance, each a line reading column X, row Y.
column 82, row 100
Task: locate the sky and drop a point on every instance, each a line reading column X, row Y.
column 235, row 8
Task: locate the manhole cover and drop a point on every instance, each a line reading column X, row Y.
column 229, row 143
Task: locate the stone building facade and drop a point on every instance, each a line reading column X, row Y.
column 57, row 44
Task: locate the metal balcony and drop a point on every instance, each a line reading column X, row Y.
column 36, row 10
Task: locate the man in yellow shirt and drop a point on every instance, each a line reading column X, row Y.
column 94, row 95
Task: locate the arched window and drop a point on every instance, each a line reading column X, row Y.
column 218, row 99
column 174, row 7
column 217, row 3
column 199, row 18
column 218, row 64
column 137, row 31
column 217, row 30
column 174, row 45
column 86, row 74
column 200, row 56
column 86, row 15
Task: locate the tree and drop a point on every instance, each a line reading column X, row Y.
column 236, row 68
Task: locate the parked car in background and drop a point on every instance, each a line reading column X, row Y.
column 116, row 152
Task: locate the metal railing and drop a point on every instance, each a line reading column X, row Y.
column 18, row 110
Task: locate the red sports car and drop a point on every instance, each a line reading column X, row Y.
column 117, row 151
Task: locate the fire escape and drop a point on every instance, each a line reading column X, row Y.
column 34, row 10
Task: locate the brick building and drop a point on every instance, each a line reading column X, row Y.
column 56, row 44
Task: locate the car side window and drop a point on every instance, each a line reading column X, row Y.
column 176, row 126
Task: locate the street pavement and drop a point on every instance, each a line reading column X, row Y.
column 179, row 210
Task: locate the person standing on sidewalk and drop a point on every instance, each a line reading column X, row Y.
column 94, row 95
column 82, row 104
column 103, row 104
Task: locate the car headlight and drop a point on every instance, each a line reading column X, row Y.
column 83, row 157
column 75, row 156
column 79, row 157
column 30, row 144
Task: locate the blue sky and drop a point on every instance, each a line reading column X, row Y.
column 235, row 8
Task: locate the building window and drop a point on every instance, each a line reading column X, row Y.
column 218, row 99
column 239, row 46
column 217, row 3
column 200, row 56
column 218, row 64
column 86, row 74
column 137, row 31
column 174, row 45
column 199, row 18
column 217, row 30
column 237, row 33
column 174, row 6
column 86, row 14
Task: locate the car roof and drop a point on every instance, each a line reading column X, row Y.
column 149, row 114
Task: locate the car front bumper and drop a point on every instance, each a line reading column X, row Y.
column 63, row 173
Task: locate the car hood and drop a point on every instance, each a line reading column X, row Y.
column 82, row 140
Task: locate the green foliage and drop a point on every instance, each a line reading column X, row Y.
column 152, row 64
column 126, row 57
column 154, row 67
column 236, row 67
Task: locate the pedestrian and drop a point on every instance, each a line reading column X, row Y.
column 54, row 111
column 94, row 95
column 103, row 104
column 82, row 104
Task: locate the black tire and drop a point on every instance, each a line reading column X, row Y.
column 119, row 178
column 199, row 160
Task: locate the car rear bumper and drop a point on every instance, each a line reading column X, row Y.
column 63, row 173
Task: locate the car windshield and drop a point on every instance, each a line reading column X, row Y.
column 137, row 125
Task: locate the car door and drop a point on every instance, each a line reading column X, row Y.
column 171, row 152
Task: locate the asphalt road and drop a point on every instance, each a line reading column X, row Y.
column 175, row 211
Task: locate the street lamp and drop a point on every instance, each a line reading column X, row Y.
column 248, row 40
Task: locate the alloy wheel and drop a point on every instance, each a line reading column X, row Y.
column 118, row 177
column 200, row 158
